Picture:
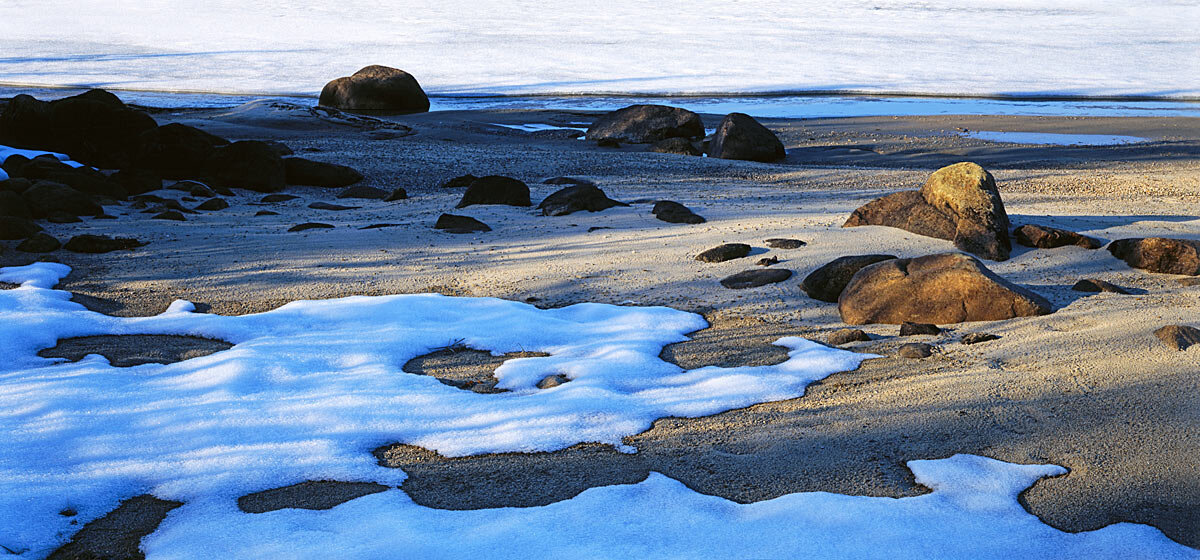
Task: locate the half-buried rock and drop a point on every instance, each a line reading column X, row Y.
column 739, row 136
column 645, row 124
column 1043, row 237
column 368, row 193
column 334, row 207
column 249, row 164
column 959, row 202
column 1159, row 254
column 12, row 228
column 938, row 289
column 675, row 213
column 310, row 225
column 826, row 283
column 1179, row 337
column 577, row 198
column 88, row 243
column 675, row 145
column 376, row 88
column 460, row 224
column 496, row 189
column 213, row 204
column 1098, row 285
column 300, row 171
column 755, row 278
column 722, row 253
column 40, row 242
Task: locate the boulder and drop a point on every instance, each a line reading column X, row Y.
column 1098, row 285
column 12, row 227
column 784, row 243
column 739, row 136
column 367, row 193
column 213, row 204
column 915, row 350
column 248, row 164
column 335, row 207
column 1179, row 337
column 376, row 88
column 913, row 329
column 722, row 253
column 173, row 215
column 137, row 180
column 397, row 194
column 675, row 213
column 646, row 124
column 1159, row 254
column 45, row 198
column 82, row 179
column 12, row 204
column 1043, row 237
column 939, row 289
column 94, row 128
column 16, row 185
column 300, row 171
column 39, row 243
column 846, row 336
column 675, row 145
column 566, row 181
column 959, row 202
column 496, row 189
column 88, row 243
column 756, row 277
column 577, row 198
column 827, row 282
column 177, row 151
column 459, row 182
column 310, row 225
column 460, row 224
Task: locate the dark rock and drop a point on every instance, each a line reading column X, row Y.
column 1179, row 337
column 1043, row 237
column 60, row 217
column 675, row 213
column 378, row 226
column 939, row 289
column 12, row 227
column 39, row 243
column 552, row 381
column 959, row 202
column 328, row 206
column 608, row 143
column 675, row 145
column 85, row 180
column 15, row 185
column 567, row 181
column 827, row 282
column 45, row 198
column 369, row 193
column 398, row 194
column 177, row 151
column 94, row 128
column 1159, row 254
column 12, row 204
column 460, row 181
column 915, row 350
column 782, row 243
column 213, row 204
column 170, row 215
column 282, row 150
column 767, row 261
column 376, row 88
column 577, row 198
column 755, row 278
column 198, row 189
column 1097, row 285
column 645, row 124
column 248, row 164
column 976, row 338
column 266, row 213
column 914, row 329
column 137, row 181
column 496, row 189
column 300, row 171
column 722, row 253
column 846, row 336
column 309, row 225
column 278, row 198
column 88, row 243
column 460, row 224
column 1189, row 281
column 739, row 136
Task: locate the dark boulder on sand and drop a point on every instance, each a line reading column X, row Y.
column 577, row 198
column 1096, row 285
column 959, row 202
column 784, row 243
column 460, row 224
column 645, row 124
column 725, row 252
column 1044, row 237
column 213, row 204
column 827, row 282
column 39, row 243
column 739, row 136
column 94, row 127
column 675, row 213
column 675, row 145
column 309, row 225
column 397, row 194
column 376, row 88
column 756, row 277
column 12, row 204
column 82, row 179
column 366, row 193
column 300, row 171
column 248, row 164
column 12, row 228
column 1178, row 337
column 459, row 182
column 1159, row 254
column 496, row 189
column 88, row 243
column 46, row 198
column 177, row 151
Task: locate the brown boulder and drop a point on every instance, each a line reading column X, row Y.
column 1043, row 237
column 1179, row 337
column 959, row 202
column 376, row 88
column 938, row 289
column 739, row 136
column 646, row 124
column 1159, row 254
column 722, row 253
column 826, row 283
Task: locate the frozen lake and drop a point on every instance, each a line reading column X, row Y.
column 976, row 47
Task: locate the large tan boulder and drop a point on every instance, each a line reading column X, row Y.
column 938, row 289
column 1159, row 254
column 376, row 88
column 959, row 202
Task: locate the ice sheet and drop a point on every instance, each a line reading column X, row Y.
column 1055, row 139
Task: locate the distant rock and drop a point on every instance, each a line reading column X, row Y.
column 174, row 215
column 460, row 224
column 397, row 194
column 827, row 282
column 45, row 198
column 1159, row 254
column 1178, row 337
column 39, row 243
column 915, row 350
column 368, row 193
column 567, row 181
column 334, row 207
column 551, row 381
column 12, row 228
column 739, row 136
column 675, row 213
column 940, row 289
column 976, row 338
column 459, row 182
column 783, row 243
column 376, row 88
column 1097, row 285
column 722, row 253
column 675, row 145
column 496, row 189
column 645, row 124
column 213, row 204
column 756, row 277
column 310, row 225
column 767, row 261
column 846, row 336
column 266, row 213
column 88, row 243
column 577, row 198
column 380, row 226
column 248, row 164
column 914, row 329
column 300, row 171
column 959, row 202
column 1043, row 237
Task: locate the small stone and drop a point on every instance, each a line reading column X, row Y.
column 552, row 381
column 1179, row 337
column 398, row 194
column 846, row 336
column 767, row 261
column 915, row 350
column 310, row 225
column 460, row 224
column 266, row 213
column 783, row 243
column 278, row 198
column 976, row 338
column 377, row 226
column 755, row 278
column 913, row 329
column 675, row 213
column 328, row 206
column 722, row 253
column 170, row 215
column 39, row 243
column 213, row 204
column 1097, row 285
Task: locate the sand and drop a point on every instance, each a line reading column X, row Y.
column 1088, row 387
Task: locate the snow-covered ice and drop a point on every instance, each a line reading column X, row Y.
column 1054, row 139
column 7, row 152
column 1071, row 47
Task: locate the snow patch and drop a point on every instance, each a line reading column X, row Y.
column 1055, row 139
column 7, row 152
